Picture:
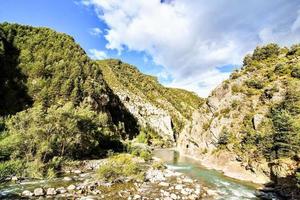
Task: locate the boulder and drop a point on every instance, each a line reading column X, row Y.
column 51, row 191
column 39, row 192
column 67, row 178
column 27, row 193
column 61, row 190
column 164, row 184
column 71, row 187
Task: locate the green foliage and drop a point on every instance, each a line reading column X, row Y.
column 296, row 72
column 45, row 67
column 120, row 165
column 268, row 51
column 253, row 83
column 11, row 167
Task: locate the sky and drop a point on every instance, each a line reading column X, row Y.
column 189, row 44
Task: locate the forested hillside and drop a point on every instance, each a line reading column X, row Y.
column 255, row 117
column 54, row 103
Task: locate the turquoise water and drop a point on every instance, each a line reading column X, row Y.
column 227, row 188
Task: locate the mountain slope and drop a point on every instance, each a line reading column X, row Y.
column 166, row 110
column 54, row 102
column 251, row 122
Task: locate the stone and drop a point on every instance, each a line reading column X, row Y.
column 39, row 192
column 51, row 191
column 173, row 196
column 77, row 171
column 67, row 178
column 61, row 190
column 164, row 184
column 14, row 178
column 137, row 196
column 27, row 193
column 71, row 187
column 179, row 187
column 257, row 119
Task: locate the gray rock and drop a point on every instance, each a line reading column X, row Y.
column 257, row 119
column 67, row 178
column 71, row 187
column 39, row 192
column 51, row 191
column 77, row 171
column 164, row 184
column 27, row 193
column 61, row 190
column 137, row 196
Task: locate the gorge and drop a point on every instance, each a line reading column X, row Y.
column 60, row 110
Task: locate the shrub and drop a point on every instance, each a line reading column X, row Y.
column 236, row 88
column 119, row 165
column 10, row 168
column 261, row 53
column 257, row 84
column 146, row 155
column 296, row 72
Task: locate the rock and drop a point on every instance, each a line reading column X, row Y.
column 257, row 119
column 51, row 191
column 164, row 184
column 14, row 178
column 67, row 178
column 77, row 171
column 27, row 193
column 61, row 190
column 173, row 196
column 137, row 196
column 155, row 175
column 89, row 198
column 71, row 187
column 179, row 187
column 187, row 180
column 39, row 192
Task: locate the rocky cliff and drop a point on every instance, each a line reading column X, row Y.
column 249, row 125
column 164, row 110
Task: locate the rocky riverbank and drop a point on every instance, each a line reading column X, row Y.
column 160, row 183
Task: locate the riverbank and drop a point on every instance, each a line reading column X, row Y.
column 228, row 165
column 83, row 183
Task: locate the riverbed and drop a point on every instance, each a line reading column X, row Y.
column 226, row 187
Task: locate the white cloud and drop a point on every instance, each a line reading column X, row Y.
column 97, row 54
column 95, row 31
column 191, row 38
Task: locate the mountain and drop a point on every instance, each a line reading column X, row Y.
column 54, row 101
column 249, row 126
column 163, row 110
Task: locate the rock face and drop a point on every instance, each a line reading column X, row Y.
column 164, row 110
column 148, row 114
column 239, row 111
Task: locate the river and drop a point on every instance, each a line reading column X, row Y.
column 226, row 187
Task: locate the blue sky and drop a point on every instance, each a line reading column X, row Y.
column 75, row 19
column 187, row 44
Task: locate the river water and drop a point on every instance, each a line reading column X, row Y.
column 226, row 187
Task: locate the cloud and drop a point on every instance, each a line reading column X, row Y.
column 95, row 31
column 191, row 39
column 97, row 54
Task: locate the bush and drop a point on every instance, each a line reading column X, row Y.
column 296, row 72
column 120, row 165
column 11, row 168
column 261, row 53
column 257, row 84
